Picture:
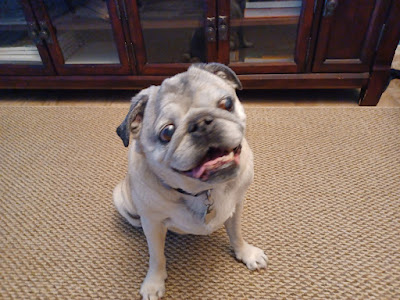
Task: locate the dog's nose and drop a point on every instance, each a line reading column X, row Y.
column 200, row 125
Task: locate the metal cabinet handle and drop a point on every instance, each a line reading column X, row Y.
column 33, row 32
column 210, row 30
column 330, row 7
column 44, row 33
column 40, row 33
column 222, row 28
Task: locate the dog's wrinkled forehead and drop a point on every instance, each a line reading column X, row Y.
column 193, row 88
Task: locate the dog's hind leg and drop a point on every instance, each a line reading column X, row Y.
column 124, row 204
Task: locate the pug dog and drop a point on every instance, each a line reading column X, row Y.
column 189, row 165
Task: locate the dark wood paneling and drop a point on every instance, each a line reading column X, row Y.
column 212, row 48
column 390, row 36
column 347, row 39
column 55, row 51
column 264, row 68
column 258, row 81
column 371, row 93
column 165, row 69
column 129, row 45
column 314, row 34
column 303, row 34
column 349, row 27
column 79, row 82
column 136, row 35
column 304, row 81
column 14, row 69
column 224, row 9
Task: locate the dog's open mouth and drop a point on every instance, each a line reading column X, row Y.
column 215, row 161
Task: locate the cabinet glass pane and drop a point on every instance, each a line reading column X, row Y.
column 263, row 31
column 173, row 30
column 16, row 46
column 84, row 31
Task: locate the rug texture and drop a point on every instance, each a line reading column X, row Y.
column 324, row 205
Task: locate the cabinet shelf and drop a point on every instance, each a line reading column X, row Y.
column 19, row 55
column 272, row 12
column 272, row 20
column 90, row 17
column 16, row 24
column 73, row 22
column 170, row 24
column 272, row 9
column 94, row 53
column 81, row 47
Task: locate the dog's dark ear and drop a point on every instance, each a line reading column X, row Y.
column 222, row 71
column 133, row 120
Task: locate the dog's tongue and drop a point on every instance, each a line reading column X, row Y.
column 197, row 172
column 212, row 162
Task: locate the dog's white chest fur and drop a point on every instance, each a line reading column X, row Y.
column 190, row 215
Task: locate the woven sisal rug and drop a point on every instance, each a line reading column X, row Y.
column 325, row 206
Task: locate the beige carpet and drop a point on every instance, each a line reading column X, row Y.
column 325, row 206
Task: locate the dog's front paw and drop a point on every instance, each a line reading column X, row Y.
column 253, row 257
column 153, row 287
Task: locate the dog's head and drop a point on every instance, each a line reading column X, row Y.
column 190, row 128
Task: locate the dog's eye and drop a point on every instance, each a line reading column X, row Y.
column 226, row 104
column 167, row 132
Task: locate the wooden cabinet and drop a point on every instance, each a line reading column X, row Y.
column 21, row 49
column 83, row 37
column 348, row 34
column 169, row 35
column 271, row 37
column 134, row 43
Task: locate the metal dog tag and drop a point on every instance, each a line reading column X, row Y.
column 209, row 212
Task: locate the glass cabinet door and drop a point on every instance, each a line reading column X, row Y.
column 85, row 36
column 267, row 33
column 19, row 40
column 172, row 34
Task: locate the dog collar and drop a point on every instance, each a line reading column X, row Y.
column 209, row 212
column 190, row 194
column 179, row 190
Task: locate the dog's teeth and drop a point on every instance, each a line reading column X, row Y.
column 227, row 157
column 202, row 171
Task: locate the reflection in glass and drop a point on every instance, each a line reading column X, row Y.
column 173, row 30
column 263, row 31
column 16, row 47
column 84, row 31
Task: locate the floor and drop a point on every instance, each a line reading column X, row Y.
column 251, row 98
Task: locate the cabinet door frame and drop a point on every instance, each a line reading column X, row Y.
column 136, row 35
column 300, row 53
column 322, row 63
column 46, row 68
column 62, row 68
